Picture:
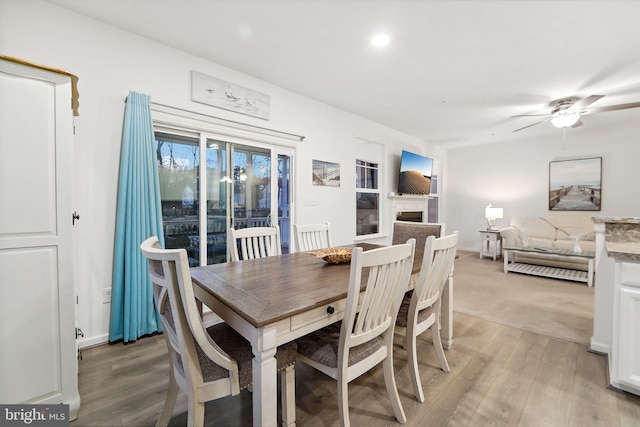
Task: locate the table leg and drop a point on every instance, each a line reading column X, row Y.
column 447, row 313
column 590, row 273
column 265, row 386
column 505, row 258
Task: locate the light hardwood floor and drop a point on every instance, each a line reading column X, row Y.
column 500, row 376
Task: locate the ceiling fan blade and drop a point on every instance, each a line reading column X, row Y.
column 530, row 115
column 585, row 102
column 611, row 108
column 533, row 124
column 577, row 124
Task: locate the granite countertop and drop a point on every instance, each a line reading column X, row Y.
column 617, row 219
column 621, row 237
column 624, row 251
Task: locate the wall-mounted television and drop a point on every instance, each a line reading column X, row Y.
column 415, row 174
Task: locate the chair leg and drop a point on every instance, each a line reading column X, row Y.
column 343, row 401
column 169, row 402
column 288, row 393
column 195, row 415
column 392, row 389
column 437, row 343
column 414, row 372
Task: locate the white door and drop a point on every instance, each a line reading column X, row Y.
column 38, row 353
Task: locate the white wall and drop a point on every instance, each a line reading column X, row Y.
column 515, row 176
column 109, row 63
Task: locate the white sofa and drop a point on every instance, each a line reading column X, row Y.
column 550, row 231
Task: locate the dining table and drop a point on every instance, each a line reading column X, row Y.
column 274, row 300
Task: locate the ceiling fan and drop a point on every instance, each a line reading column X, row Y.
column 566, row 112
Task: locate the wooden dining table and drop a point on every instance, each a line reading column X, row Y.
column 274, row 300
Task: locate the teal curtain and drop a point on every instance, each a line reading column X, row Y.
column 139, row 216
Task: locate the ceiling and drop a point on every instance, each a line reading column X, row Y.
column 453, row 74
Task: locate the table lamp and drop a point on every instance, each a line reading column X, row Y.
column 491, row 214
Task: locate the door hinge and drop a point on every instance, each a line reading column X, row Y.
column 74, row 217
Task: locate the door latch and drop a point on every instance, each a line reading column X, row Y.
column 74, row 217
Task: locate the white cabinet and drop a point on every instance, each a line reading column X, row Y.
column 624, row 358
column 490, row 242
column 38, row 352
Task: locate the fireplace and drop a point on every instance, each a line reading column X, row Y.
column 413, row 216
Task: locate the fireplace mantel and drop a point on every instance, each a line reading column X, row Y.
column 410, row 196
column 409, row 203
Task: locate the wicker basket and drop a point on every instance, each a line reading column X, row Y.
column 335, row 255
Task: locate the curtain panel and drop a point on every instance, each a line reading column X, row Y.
column 139, row 216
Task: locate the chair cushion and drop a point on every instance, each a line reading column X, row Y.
column 239, row 349
column 403, row 314
column 322, row 346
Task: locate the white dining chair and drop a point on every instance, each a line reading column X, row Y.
column 205, row 363
column 420, row 309
column 255, row 242
column 364, row 337
column 311, row 237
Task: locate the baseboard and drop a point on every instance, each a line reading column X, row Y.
column 598, row 347
column 93, row 341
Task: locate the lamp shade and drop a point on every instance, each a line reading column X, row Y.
column 492, row 213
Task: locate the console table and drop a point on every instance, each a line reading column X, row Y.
column 546, row 271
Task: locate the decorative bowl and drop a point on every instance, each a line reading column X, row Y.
column 335, row 255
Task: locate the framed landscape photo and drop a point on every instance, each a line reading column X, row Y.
column 575, row 185
column 326, row 173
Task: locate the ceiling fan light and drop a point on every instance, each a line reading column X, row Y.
column 565, row 119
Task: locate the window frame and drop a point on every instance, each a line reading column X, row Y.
column 369, row 153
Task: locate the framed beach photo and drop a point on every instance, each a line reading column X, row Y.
column 575, row 185
column 326, row 173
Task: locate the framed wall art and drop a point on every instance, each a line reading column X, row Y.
column 326, row 173
column 222, row 94
column 575, row 185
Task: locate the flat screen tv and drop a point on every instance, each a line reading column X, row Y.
column 415, row 174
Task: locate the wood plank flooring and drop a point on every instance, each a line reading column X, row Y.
column 500, row 376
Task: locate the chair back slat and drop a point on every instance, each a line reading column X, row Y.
column 254, row 242
column 388, row 271
column 311, row 237
column 437, row 265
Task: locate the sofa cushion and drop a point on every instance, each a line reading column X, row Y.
column 534, row 227
column 570, row 225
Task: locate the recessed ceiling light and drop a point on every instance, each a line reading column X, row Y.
column 380, row 40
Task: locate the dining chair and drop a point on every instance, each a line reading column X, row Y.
column 205, row 363
column 403, row 230
column 255, row 242
column 364, row 338
column 311, row 237
column 420, row 309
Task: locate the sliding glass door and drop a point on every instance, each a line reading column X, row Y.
column 235, row 188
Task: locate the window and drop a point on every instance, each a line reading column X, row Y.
column 207, row 185
column 368, row 155
column 433, row 202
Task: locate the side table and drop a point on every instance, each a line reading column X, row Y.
column 490, row 243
